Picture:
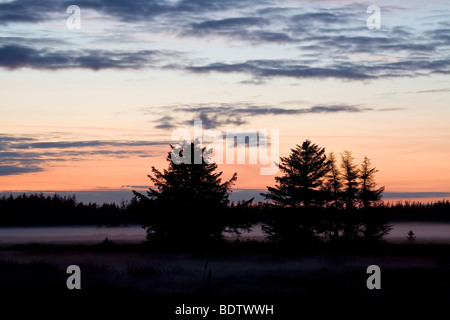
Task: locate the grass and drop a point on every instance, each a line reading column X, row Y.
column 126, row 274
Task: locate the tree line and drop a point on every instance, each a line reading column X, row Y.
column 317, row 196
column 54, row 210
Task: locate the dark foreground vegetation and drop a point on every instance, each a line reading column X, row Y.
column 123, row 277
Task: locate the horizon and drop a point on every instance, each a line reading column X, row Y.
column 119, row 195
column 93, row 109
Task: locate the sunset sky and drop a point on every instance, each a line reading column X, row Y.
column 93, row 109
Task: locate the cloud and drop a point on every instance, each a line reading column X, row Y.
column 261, row 70
column 230, row 24
column 84, row 144
column 440, row 35
column 26, row 11
column 241, row 139
column 133, row 187
column 30, row 11
column 213, row 119
column 393, row 42
column 330, row 40
column 299, row 22
column 22, row 154
column 216, row 115
column 31, row 40
column 17, row 56
column 15, row 170
column 243, row 28
column 434, row 90
column 165, row 122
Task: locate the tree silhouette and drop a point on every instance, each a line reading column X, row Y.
column 297, row 194
column 333, row 184
column 368, row 193
column 411, row 236
column 302, row 183
column 188, row 200
column 350, row 175
column 375, row 223
column 333, row 187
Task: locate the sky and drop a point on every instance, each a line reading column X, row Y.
column 92, row 109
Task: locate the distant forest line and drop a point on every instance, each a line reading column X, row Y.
column 54, row 210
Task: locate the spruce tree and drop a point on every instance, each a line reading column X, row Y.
column 333, row 187
column 350, row 175
column 368, row 193
column 333, row 183
column 374, row 222
column 297, row 195
column 303, row 171
column 188, row 199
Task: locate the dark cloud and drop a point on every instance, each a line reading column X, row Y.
column 216, row 115
column 261, row 70
column 20, row 155
column 442, row 35
column 291, row 69
column 17, row 56
column 32, row 41
column 319, row 18
column 84, row 144
column 238, row 28
column 230, row 24
column 123, row 10
column 9, row 138
column 245, row 109
column 266, row 36
column 330, row 37
column 28, row 11
column 216, row 119
column 165, row 122
column 371, row 44
column 242, row 139
column 15, row 170
column 143, row 10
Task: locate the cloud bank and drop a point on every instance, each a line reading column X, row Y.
column 331, row 40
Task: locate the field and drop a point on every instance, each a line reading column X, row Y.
column 244, row 274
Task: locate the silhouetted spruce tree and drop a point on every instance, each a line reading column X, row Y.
column 375, row 222
column 333, row 187
column 368, row 193
column 303, row 176
column 188, row 200
column 333, row 183
column 297, row 192
column 350, row 176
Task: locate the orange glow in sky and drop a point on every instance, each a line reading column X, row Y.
column 95, row 108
